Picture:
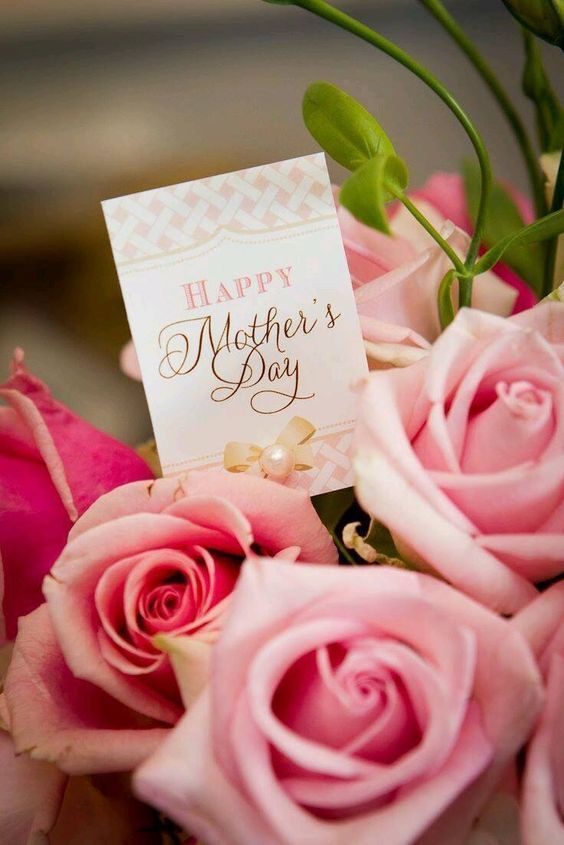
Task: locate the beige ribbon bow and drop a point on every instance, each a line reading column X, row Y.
column 239, row 457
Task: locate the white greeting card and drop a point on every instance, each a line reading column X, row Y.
column 242, row 313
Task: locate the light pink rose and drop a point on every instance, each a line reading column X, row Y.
column 542, row 622
column 396, row 281
column 53, row 465
column 129, row 362
column 88, row 688
column 445, row 192
column 462, row 455
column 347, row 705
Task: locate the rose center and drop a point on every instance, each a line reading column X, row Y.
column 162, row 602
column 360, row 703
column 524, row 400
column 168, row 600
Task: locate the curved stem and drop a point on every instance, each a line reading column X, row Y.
column 557, row 203
column 325, row 10
column 436, row 8
column 444, row 245
column 341, row 548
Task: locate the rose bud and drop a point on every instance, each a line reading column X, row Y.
column 543, row 17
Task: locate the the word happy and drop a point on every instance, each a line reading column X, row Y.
column 204, row 293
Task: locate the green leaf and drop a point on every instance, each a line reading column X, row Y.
column 446, row 308
column 370, row 187
column 342, row 127
column 331, row 507
column 502, row 220
column 543, row 229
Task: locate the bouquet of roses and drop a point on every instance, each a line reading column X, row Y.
column 183, row 658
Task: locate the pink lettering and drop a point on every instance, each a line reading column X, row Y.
column 223, row 294
column 284, row 273
column 241, row 285
column 263, row 279
column 196, row 294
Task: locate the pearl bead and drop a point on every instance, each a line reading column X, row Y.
column 277, row 461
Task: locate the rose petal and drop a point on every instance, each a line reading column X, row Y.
column 67, row 444
column 536, row 557
column 129, row 362
column 30, row 795
column 60, row 719
column 217, row 514
column 539, row 620
column 450, row 551
column 137, row 497
column 523, row 496
column 543, row 783
column 171, row 779
column 279, row 515
column 191, row 660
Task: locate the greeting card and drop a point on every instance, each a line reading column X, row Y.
column 242, row 313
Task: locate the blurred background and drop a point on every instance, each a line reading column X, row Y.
column 105, row 97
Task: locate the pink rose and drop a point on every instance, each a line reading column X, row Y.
column 53, row 465
column 39, row 805
column 30, row 795
column 441, row 198
column 347, row 705
column 462, row 455
column 445, row 192
column 542, row 622
column 396, row 281
column 88, row 688
column 129, row 362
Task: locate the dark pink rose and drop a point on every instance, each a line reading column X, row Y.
column 89, row 686
column 347, row 705
column 53, row 465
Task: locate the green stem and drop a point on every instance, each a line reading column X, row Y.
column 325, row 10
column 557, row 203
column 444, row 245
column 537, row 87
column 436, row 8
